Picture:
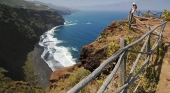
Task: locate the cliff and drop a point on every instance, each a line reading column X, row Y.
column 93, row 54
column 19, row 32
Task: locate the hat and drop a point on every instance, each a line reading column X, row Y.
column 134, row 3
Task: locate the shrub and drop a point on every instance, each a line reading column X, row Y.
column 166, row 15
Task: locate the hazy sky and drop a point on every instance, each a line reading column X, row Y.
column 125, row 4
column 74, row 3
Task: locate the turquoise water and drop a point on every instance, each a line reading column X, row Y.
column 63, row 44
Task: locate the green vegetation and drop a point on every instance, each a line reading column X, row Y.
column 20, row 31
column 147, row 14
column 29, row 71
column 9, row 86
column 148, row 80
column 166, row 14
column 4, row 81
column 74, row 78
column 112, row 48
column 66, row 83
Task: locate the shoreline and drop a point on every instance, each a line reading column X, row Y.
column 42, row 70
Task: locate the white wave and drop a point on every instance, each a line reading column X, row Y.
column 74, row 49
column 64, row 56
column 69, row 23
column 55, row 56
column 88, row 23
column 50, row 61
column 66, row 22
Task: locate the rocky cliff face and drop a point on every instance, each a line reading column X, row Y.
column 105, row 45
column 19, row 32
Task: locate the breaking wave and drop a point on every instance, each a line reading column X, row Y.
column 54, row 55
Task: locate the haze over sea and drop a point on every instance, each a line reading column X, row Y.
column 63, row 44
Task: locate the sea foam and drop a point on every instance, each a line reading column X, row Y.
column 54, row 55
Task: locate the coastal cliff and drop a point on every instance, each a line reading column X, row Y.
column 107, row 44
column 19, row 32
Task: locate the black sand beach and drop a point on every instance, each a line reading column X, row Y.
column 42, row 70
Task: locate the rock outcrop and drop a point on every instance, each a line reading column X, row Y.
column 93, row 54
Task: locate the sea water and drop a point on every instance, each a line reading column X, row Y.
column 63, row 44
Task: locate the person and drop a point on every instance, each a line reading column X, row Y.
column 133, row 10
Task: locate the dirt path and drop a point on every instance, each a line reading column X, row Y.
column 164, row 79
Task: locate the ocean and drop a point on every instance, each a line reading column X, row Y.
column 63, row 44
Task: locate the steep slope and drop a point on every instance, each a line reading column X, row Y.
column 19, row 32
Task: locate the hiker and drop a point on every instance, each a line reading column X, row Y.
column 133, row 10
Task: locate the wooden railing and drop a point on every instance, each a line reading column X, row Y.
column 121, row 64
column 149, row 13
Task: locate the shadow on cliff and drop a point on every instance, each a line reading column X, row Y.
column 14, row 48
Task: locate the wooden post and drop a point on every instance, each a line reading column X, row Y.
column 122, row 70
column 148, row 43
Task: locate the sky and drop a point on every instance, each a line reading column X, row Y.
column 77, row 3
column 110, row 4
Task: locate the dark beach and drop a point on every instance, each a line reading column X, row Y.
column 42, row 70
